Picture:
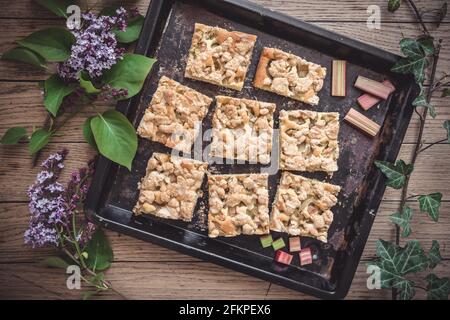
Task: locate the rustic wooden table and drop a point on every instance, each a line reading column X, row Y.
column 145, row 271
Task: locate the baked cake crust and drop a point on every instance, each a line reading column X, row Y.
column 289, row 75
column 309, row 140
column 238, row 204
column 171, row 187
column 219, row 56
column 174, row 115
column 302, row 206
column 242, row 129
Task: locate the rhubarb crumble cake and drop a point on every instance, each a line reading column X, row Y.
column 289, row 75
column 174, row 115
column 303, row 206
column 309, row 140
column 238, row 204
column 171, row 187
column 242, row 129
column 219, row 56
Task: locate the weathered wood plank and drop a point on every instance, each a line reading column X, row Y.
column 160, row 280
column 352, row 10
column 387, row 38
column 26, row 99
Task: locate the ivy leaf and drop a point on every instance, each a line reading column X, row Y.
column 115, row 137
column 393, row 5
column 87, row 84
column 55, row 262
column 58, row 7
column 442, row 14
column 437, row 288
column 52, row 43
column 100, row 254
column 430, row 203
column 396, row 174
column 415, row 61
column 129, row 73
column 13, row 135
column 87, row 133
column 434, row 255
column 38, row 140
column 132, row 32
column 396, row 262
column 421, row 101
column 403, row 219
column 25, row 55
column 445, row 93
column 446, row 126
column 427, row 44
column 55, row 89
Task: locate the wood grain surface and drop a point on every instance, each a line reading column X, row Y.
column 145, row 271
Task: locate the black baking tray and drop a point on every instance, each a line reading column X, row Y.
column 166, row 35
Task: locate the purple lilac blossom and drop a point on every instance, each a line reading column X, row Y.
column 95, row 48
column 52, row 205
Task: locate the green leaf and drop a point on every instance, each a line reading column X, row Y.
column 442, row 14
column 132, row 31
column 421, row 101
column 393, row 5
column 396, row 262
column 396, row 174
column 115, row 137
column 13, row 135
column 434, row 255
column 55, row 89
column 411, row 48
column 25, row 55
column 437, row 288
column 446, row 126
column 87, row 133
column 416, row 59
column 109, row 11
column 55, row 262
column 87, row 84
column 403, row 219
column 97, row 279
column 52, row 43
column 430, row 203
column 427, row 44
column 100, row 254
column 58, row 7
column 129, row 73
column 39, row 139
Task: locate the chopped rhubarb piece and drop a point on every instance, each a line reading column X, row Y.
column 305, row 256
column 362, row 122
column 373, row 87
column 283, row 257
column 266, row 241
column 367, row 101
column 278, row 244
column 339, row 79
column 294, row 244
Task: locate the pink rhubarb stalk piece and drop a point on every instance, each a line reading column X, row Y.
column 373, row 87
column 283, row 257
column 367, row 101
column 294, row 244
column 305, row 256
column 339, row 78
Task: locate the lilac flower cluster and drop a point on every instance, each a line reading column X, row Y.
column 95, row 48
column 47, row 203
column 52, row 205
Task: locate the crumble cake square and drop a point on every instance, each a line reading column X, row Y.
column 174, row 115
column 171, row 187
column 219, row 56
column 302, row 206
column 289, row 75
column 242, row 129
column 238, row 204
column 309, row 140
